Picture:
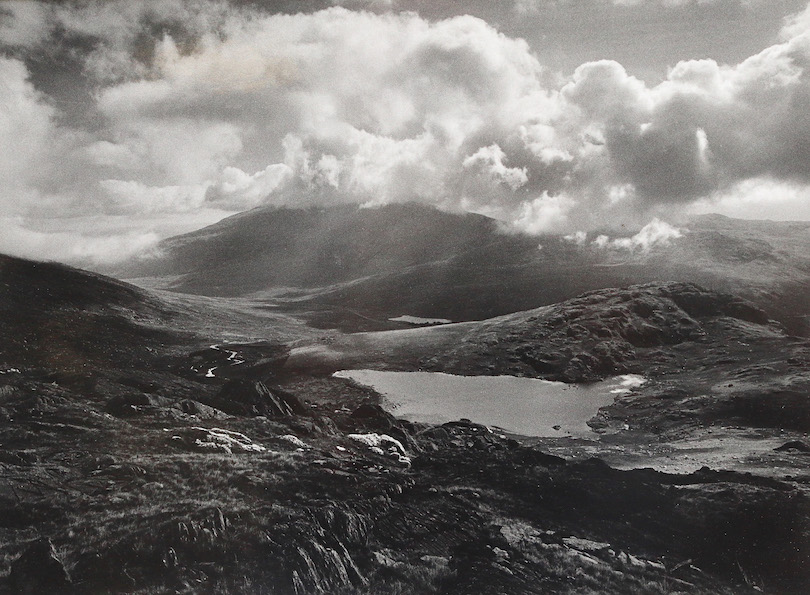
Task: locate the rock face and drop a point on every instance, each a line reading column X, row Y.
column 139, row 404
column 39, row 570
column 251, row 398
column 322, row 569
column 318, row 557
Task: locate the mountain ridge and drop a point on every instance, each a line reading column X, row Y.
column 412, row 259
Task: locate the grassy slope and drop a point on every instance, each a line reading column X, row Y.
column 129, row 509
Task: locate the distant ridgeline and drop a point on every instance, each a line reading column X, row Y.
column 428, row 263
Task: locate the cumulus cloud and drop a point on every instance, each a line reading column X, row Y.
column 488, row 161
column 796, row 25
column 238, row 190
column 25, row 127
column 200, row 107
column 655, row 233
column 72, row 247
column 578, row 237
column 543, row 214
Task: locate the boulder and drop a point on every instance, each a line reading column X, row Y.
column 39, row 570
column 384, row 445
column 197, row 409
column 294, row 440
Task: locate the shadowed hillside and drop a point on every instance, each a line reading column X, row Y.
column 60, row 318
column 72, row 321
column 267, row 247
column 353, row 268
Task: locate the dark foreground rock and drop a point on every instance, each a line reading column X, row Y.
column 793, row 445
column 39, row 570
column 475, row 512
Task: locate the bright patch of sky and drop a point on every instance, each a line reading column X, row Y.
column 124, row 122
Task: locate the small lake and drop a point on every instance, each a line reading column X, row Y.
column 524, row 406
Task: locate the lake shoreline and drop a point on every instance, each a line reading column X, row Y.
column 521, row 406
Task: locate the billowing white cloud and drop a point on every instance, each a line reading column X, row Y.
column 488, row 161
column 27, row 132
column 73, row 247
column 542, row 215
column 796, row 25
column 655, row 233
column 238, row 190
column 201, row 107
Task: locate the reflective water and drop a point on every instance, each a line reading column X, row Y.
column 524, row 406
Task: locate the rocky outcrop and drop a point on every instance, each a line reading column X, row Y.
column 197, row 409
column 383, row 445
column 699, row 303
column 593, row 336
column 139, row 404
column 373, row 415
column 252, row 398
column 793, row 446
column 463, row 434
column 39, row 570
column 317, row 568
column 214, row 440
column 320, row 552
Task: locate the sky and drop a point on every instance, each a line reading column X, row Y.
column 122, row 122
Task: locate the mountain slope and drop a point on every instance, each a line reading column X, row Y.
column 595, row 335
column 67, row 320
column 354, row 268
column 765, row 262
column 60, row 318
column 266, row 248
